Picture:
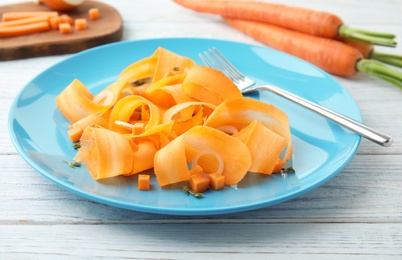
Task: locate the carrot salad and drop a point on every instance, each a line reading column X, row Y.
column 189, row 123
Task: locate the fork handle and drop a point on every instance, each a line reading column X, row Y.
column 357, row 127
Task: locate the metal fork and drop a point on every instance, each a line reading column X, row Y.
column 214, row 59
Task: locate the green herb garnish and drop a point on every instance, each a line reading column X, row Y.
column 73, row 164
column 188, row 191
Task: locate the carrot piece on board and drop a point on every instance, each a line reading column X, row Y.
column 55, row 22
column 24, row 29
column 199, row 182
column 314, row 22
column 93, row 13
column 65, row 28
column 61, row 5
column 217, row 181
column 80, row 24
column 23, row 21
column 10, row 16
column 144, row 182
column 67, row 19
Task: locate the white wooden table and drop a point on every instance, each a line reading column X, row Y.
column 356, row 215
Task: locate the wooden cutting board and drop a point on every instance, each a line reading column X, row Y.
column 108, row 28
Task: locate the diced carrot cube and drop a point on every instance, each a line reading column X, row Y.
column 80, row 24
column 93, row 13
column 144, row 182
column 199, row 182
column 55, row 22
column 67, row 19
column 65, row 28
column 196, row 169
column 217, row 181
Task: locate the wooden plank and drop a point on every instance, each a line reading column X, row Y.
column 107, row 29
column 188, row 241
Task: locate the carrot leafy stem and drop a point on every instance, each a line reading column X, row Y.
column 77, row 146
column 379, row 70
column 73, row 164
column 391, row 59
column 188, row 191
column 375, row 38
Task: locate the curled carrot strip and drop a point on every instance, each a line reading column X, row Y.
column 131, row 109
column 240, row 112
column 209, row 85
column 236, row 156
column 105, row 153
column 167, row 92
column 264, row 144
column 165, row 112
column 96, row 119
column 187, row 115
column 76, row 101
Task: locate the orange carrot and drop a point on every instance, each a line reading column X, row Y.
column 65, row 28
column 62, row 5
column 93, row 13
column 105, row 153
column 24, row 21
column 24, row 29
column 364, row 48
column 80, row 24
column 10, row 16
column 216, row 181
column 66, row 19
column 368, row 52
column 55, row 22
column 330, row 55
column 196, row 169
column 318, row 23
column 144, row 182
column 199, row 182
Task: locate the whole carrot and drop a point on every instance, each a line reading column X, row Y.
column 330, row 55
column 304, row 20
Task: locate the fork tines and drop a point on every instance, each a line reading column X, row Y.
column 214, row 59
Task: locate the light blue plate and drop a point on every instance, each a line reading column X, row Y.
column 321, row 148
